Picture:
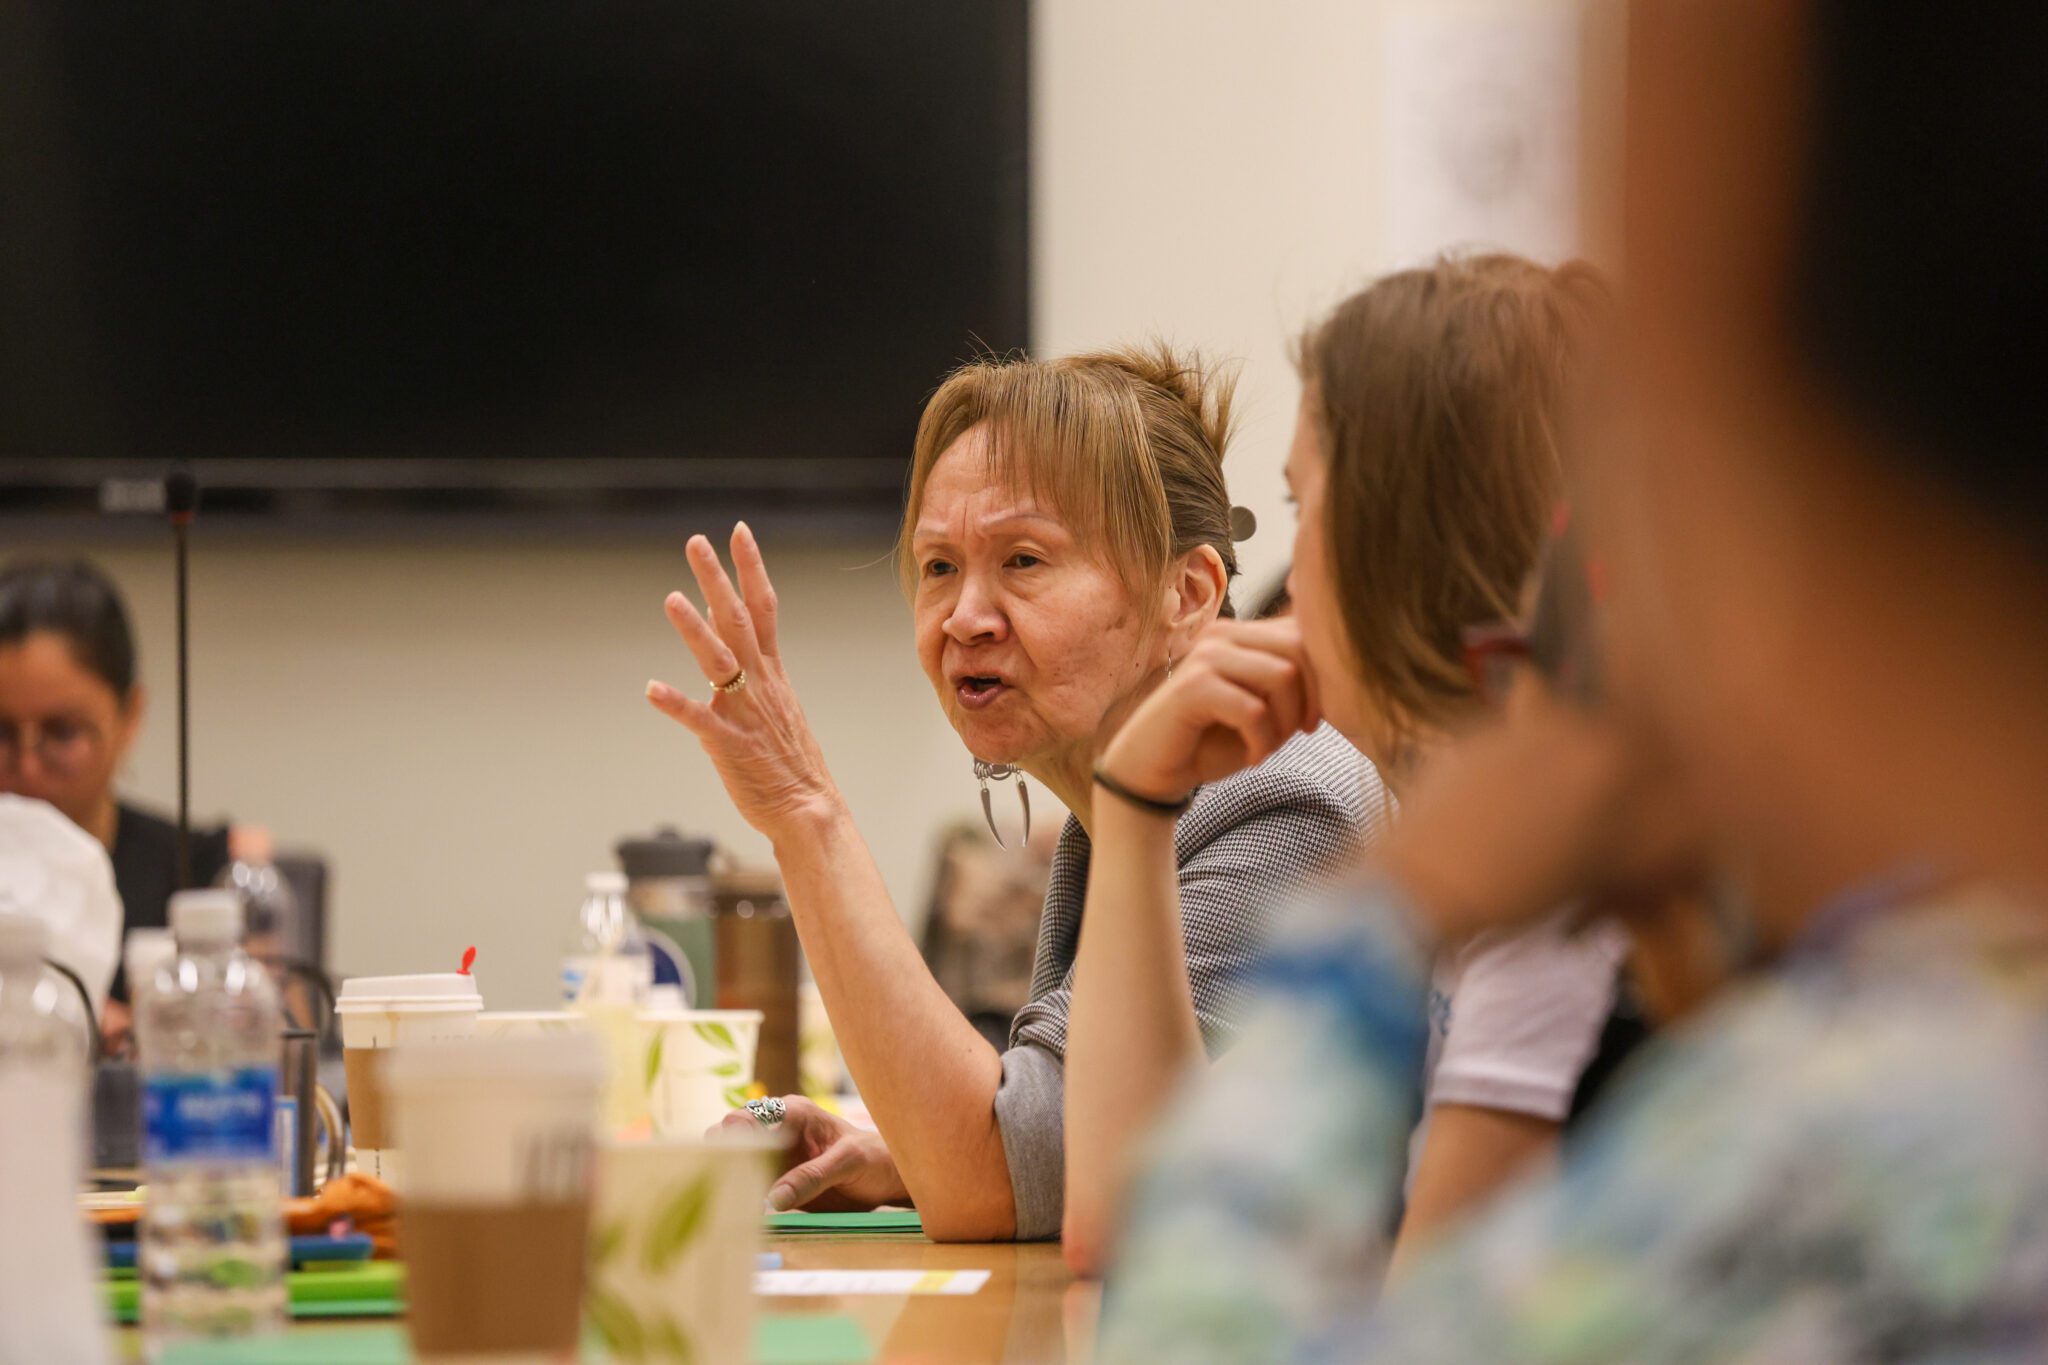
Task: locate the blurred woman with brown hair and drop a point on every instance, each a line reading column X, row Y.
column 1426, row 469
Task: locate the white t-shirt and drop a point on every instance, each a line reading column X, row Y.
column 1514, row 1020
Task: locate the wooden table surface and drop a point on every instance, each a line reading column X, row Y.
column 1031, row 1311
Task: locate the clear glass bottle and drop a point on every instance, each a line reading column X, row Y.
column 53, row 1313
column 611, row 964
column 270, row 919
column 212, row 1255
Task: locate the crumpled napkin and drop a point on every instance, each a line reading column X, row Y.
column 53, row 870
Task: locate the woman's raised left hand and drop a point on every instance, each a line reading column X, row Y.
column 755, row 734
column 1243, row 691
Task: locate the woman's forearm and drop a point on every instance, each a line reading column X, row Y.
column 1132, row 1030
column 1468, row 1155
column 926, row 1076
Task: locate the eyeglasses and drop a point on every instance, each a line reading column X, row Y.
column 61, row 746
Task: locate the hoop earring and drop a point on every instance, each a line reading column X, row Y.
column 996, row 772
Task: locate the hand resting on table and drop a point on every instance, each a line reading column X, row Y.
column 833, row 1167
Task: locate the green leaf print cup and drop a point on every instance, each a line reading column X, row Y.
column 696, row 1066
column 673, row 1245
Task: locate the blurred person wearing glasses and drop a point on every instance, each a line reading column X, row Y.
column 70, row 709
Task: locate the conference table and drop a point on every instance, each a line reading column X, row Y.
column 1032, row 1311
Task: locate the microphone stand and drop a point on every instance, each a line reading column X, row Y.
column 181, row 498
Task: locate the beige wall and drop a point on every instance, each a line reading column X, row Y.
column 1207, row 170
column 1221, row 173
column 460, row 727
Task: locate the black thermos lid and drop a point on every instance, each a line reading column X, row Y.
column 664, row 853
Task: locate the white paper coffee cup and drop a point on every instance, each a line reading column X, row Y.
column 499, row 1136
column 379, row 1013
column 687, row 1069
column 478, row 1118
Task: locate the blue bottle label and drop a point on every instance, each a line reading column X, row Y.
column 211, row 1116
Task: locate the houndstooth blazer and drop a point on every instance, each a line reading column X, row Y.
column 1245, row 844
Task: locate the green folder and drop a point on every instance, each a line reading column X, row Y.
column 810, row 1339
column 880, row 1220
column 372, row 1346
column 816, row 1339
column 354, row 1289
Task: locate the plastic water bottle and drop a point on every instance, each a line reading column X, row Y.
column 612, row 964
column 212, row 1254
column 50, row 1308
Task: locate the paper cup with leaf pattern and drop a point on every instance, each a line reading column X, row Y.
column 697, row 1066
column 673, row 1246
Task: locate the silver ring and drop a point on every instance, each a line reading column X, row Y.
column 737, row 683
column 769, row 1113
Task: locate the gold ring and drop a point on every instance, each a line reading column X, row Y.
column 738, row 683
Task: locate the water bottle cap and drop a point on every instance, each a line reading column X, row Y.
column 23, row 938
column 605, row 883
column 208, row 916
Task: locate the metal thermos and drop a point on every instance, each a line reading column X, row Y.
column 760, row 967
column 668, row 885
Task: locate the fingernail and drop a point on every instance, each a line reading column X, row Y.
column 659, row 691
column 781, row 1198
column 745, row 530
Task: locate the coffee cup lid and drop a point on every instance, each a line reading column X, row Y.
column 401, row 992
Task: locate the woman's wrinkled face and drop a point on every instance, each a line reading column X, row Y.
column 1031, row 641
column 63, row 731
column 1312, row 581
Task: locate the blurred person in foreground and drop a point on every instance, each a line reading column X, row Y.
column 1422, row 507
column 1066, row 539
column 1826, row 591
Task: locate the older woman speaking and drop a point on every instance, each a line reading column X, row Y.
column 1067, row 536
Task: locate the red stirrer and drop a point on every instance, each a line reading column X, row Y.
column 468, row 957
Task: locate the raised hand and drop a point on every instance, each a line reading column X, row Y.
column 751, row 726
column 1242, row 692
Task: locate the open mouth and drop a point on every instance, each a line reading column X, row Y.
column 977, row 690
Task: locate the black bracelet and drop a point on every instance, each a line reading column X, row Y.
column 1116, row 788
